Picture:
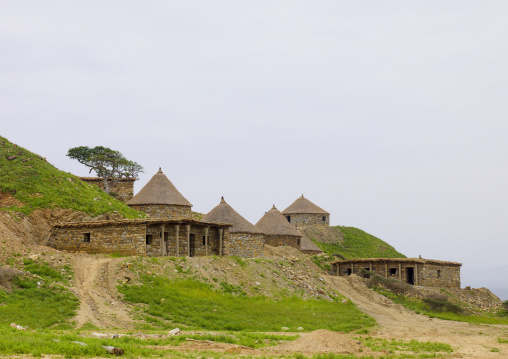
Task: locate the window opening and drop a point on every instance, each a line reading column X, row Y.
column 393, row 271
column 439, row 273
column 288, row 218
column 148, row 239
column 204, row 240
column 348, row 271
column 86, row 237
column 324, row 219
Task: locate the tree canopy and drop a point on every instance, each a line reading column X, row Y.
column 108, row 164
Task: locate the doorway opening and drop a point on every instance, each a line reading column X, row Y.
column 410, row 275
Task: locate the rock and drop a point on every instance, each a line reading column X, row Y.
column 10, row 158
column 344, row 301
column 299, row 328
column 257, row 283
column 13, row 325
column 284, row 328
column 175, row 331
column 19, row 327
column 162, row 300
column 34, row 257
column 100, row 335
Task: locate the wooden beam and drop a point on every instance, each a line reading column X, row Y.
column 386, row 269
column 164, row 251
column 400, row 271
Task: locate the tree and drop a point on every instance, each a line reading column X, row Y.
column 109, row 164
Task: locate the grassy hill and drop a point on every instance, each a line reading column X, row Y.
column 29, row 182
column 350, row 243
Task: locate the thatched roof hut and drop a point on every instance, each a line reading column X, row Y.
column 303, row 206
column 224, row 213
column 307, row 246
column 273, row 223
column 159, row 190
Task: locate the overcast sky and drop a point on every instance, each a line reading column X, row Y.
column 391, row 115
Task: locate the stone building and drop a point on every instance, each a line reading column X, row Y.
column 159, row 198
column 121, row 188
column 245, row 240
column 278, row 232
column 308, row 247
column 181, row 237
column 303, row 213
column 415, row 271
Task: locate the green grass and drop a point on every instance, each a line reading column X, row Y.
column 356, row 243
column 414, row 346
column 198, row 305
column 38, row 184
column 36, row 305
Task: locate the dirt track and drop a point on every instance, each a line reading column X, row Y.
column 96, row 288
column 395, row 321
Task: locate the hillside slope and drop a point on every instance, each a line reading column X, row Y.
column 350, row 243
column 28, row 182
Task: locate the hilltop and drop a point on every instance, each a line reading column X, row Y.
column 28, row 182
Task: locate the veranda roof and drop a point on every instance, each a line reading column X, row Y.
column 159, row 190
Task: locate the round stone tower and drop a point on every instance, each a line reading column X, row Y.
column 303, row 213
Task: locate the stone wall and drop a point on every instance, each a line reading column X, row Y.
column 125, row 239
column 164, row 210
column 122, row 189
column 197, row 240
column 244, row 245
column 302, row 221
column 279, row 241
column 424, row 274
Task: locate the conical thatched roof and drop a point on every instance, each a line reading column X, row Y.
column 273, row 223
column 159, row 190
column 224, row 213
column 307, row 245
column 302, row 205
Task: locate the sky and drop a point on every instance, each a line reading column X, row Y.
column 392, row 116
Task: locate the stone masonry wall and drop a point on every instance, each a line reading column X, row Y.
column 307, row 220
column 122, row 190
column 197, row 245
column 432, row 275
column 245, row 245
column 449, row 276
column 164, row 210
column 279, row 241
column 127, row 239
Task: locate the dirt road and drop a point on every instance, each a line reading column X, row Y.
column 96, row 289
column 395, row 321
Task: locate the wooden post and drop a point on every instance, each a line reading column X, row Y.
column 416, row 273
column 386, row 269
column 400, row 271
column 163, row 242
column 352, row 267
column 206, row 240
column 177, row 230
column 188, row 240
column 370, row 267
column 221, row 231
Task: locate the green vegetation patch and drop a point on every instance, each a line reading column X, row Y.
column 414, row 346
column 36, row 303
column 198, row 305
column 36, row 184
column 356, row 243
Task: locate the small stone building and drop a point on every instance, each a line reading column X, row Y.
column 415, row 271
column 308, row 247
column 278, row 232
column 303, row 213
column 121, row 188
column 159, row 198
column 245, row 240
column 182, row 237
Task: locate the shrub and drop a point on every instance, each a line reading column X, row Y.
column 442, row 306
column 435, row 296
column 393, row 285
